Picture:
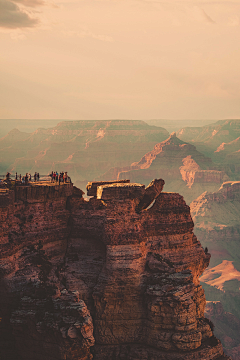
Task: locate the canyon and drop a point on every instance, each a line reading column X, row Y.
column 87, row 149
column 185, row 169
column 112, row 277
column 216, row 218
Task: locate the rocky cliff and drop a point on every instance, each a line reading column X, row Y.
column 115, row 277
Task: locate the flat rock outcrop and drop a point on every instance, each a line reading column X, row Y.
column 110, row 278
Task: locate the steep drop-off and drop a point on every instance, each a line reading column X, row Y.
column 115, row 277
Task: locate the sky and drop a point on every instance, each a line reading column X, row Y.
column 125, row 59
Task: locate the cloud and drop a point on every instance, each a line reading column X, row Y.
column 30, row 3
column 12, row 17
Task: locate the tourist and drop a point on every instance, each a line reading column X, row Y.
column 38, row 176
column 26, row 178
column 20, row 177
column 56, row 176
column 16, row 176
column 30, row 177
column 65, row 177
column 35, row 176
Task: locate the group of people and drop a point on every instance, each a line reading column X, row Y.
column 59, row 177
column 26, row 178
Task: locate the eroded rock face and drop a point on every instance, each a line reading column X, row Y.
column 135, row 273
column 53, row 328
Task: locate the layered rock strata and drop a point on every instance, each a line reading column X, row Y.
column 112, row 271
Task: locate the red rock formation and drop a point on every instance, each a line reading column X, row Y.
column 136, row 273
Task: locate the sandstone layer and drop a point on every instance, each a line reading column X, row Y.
column 115, row 277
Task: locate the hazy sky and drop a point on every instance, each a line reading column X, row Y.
column 138, row 59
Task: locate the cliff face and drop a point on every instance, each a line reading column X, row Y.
column 115, row 277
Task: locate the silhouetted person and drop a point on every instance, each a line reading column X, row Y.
column 16, row 176
column 206, row 250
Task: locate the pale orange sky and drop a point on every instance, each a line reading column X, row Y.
column 133, row 59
